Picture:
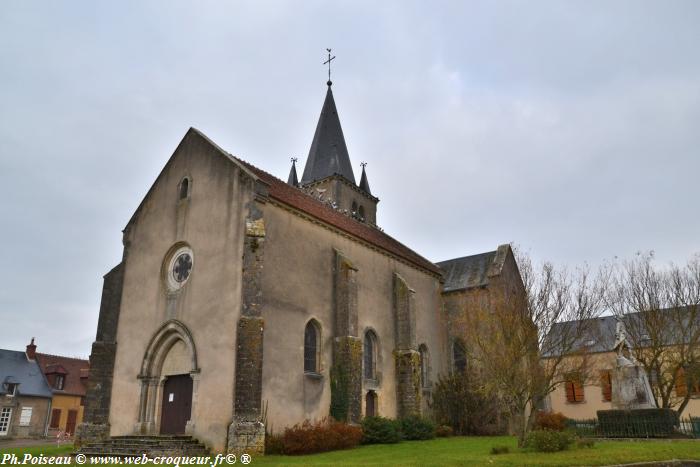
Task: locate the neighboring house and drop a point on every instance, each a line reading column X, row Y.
column 581, row 397
column 67, row 378
column 25, row 396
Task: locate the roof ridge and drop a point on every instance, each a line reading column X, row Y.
column 62, row 356
column 429, row 265
column 468, row 256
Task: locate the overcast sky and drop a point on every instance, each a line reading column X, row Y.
column 569, row 128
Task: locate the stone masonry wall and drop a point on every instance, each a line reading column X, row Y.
column 247, row 431
column 346, row 372
column 95, row 426
column 407, row 359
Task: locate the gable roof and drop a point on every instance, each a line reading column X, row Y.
column 328, row 154
column 299, row 200
column 600, row 332
column 473, row 271
column 73, row 370
column 15, row 367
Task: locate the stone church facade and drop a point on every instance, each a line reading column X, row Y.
column 242, row 299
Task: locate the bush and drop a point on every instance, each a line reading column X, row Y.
column 554, row 421
column 274, row 444
column 444, row 431
column 417, row 428
column 321, row 436
column 500, row 450
column 457, row 402
column 548, row 440
column 638, row 423
column 380, row 430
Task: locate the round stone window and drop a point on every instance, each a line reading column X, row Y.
column 179, row 267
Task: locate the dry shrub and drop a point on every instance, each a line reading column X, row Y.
column 554, row 421
column 444, row 431
column 321, row 436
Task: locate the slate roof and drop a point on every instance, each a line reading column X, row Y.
column 467, row 272
column 16, row 367
column 601, row 332
column 297, row 199
column 364, row 183
column 328, row 154
column 73, row 369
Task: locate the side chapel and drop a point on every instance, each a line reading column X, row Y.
column 242, row 300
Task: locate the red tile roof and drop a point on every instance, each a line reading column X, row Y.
column 294, row 197
column 73, row 367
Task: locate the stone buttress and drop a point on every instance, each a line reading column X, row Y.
column 95, row 426
column 246, row 433
column 346, row 372
column 406, row 356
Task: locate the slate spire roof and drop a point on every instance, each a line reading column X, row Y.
column 328, row 154
column 293, row 180
column 364, row 183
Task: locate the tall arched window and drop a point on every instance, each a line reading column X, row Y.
column 370, row 353
column 361, row 212
column 354, row 208
column 312, row 340
column 184, row 188
column 459, row 357
column 424, row 366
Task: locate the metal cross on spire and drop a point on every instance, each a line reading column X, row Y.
column 329, row 66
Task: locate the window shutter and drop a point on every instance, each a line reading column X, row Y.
column 55, row 418
column 681, row 386
column 606, row 385
column 578, row 390
column 570, row 396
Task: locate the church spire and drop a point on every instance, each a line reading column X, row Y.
column 293, row 180
column 364, row 183
column 328, row 154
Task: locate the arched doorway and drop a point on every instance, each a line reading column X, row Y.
column 169, row 377
column 371, row 404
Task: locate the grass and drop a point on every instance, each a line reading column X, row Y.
column 462, row 451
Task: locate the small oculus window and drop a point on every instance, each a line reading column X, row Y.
column 179, row 267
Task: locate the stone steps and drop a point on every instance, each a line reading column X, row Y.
column 151, row 446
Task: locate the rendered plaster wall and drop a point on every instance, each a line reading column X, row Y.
column 298, row 286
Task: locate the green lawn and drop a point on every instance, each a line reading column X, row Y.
column 467, row 451
column 464, row 451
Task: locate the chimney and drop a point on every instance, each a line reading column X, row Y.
column 31, row 350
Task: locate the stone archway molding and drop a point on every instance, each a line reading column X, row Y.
column 158, row 347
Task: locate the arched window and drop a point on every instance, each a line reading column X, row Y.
column 370, row 353
column 184, row 188
column 312, row 339
column 370, row 404
column 354, row 208
column 361, row 212
column 424, row 366
column 459, row 357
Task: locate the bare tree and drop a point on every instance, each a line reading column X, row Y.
column 661, row 313
column 527, row 343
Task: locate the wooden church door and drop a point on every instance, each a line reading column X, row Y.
column 177, row 404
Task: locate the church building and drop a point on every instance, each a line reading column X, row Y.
column 244, row 301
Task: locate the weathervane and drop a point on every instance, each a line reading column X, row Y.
column 329, row 66
column 363, row 164
column 294, row 159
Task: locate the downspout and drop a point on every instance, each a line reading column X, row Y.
column 48, row 414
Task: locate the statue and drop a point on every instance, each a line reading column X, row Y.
column 630, row 385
